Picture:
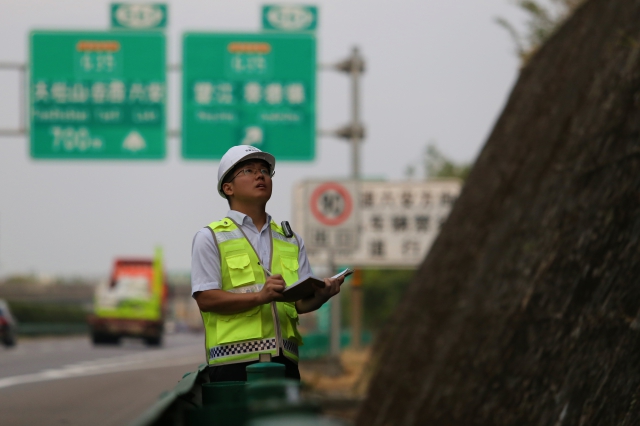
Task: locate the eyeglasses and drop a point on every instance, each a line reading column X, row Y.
column 252, row 172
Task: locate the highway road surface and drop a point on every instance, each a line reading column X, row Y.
column 67, row 381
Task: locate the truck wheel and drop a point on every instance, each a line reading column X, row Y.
column 97, row 338
column 104, row 339
column 153, row 341
column 9, row 340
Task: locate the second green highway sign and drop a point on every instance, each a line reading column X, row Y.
column 253, row 89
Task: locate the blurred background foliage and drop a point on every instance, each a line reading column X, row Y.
column 42, row 312
column 37, row 300
column 543, row 18
column 382, row 290
column 435, row 164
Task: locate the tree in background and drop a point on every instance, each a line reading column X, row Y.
column 383, row 291
column 542, row 21
column 437, row 165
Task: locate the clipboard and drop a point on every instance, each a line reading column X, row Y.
column 302, row 289
column 305, row 287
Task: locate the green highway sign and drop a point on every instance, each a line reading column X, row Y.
column 253, row 89
column 138, row 16
column 289, row 17
column 97, row 95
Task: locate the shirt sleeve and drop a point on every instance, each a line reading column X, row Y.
column 205, row 263
column 304, row 268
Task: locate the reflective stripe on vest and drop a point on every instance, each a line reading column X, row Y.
column 254, row 288
column 276, row 235
column 242, row 336
column 223, row 236
column 250, row 347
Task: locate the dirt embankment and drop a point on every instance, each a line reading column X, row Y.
column 526, row 311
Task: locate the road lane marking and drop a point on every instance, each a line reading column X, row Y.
column 139, row 361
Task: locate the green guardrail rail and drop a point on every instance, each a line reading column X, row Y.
column 172, row 405
column 266, row 398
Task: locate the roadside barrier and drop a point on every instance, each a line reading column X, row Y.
column 267, row 398
column 51, row 328
column 172, row 405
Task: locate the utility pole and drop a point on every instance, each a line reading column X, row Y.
column 354, row 66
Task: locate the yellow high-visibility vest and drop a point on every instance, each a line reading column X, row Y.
column 266, row 329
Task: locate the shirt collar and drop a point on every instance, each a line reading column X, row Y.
column 242, row 219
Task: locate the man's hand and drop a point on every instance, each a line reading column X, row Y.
column 225, row 302
column 330, row 289
column 321, row 295
column 272, row 290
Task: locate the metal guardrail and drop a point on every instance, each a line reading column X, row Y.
column 267, row 398
column 171, row 407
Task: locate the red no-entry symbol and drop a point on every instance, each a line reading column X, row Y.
column 331, row 203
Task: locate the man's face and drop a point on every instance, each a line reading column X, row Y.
column 249, row 184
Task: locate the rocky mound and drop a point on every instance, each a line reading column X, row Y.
column 526, row 311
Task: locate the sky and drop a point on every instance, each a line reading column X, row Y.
column 438, row 71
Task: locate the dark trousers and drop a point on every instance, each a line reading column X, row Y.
column 238, row 372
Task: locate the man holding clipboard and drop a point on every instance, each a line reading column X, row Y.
column 240, row 269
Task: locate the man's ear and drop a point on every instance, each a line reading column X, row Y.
column 227, row 188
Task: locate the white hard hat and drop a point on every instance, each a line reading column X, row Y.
column 239, row 153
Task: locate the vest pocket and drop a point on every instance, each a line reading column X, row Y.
column 245, row 325
column 289, row 269
column 289, row 325
column 240, row 270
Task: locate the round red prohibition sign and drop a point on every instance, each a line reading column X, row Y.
column 331, row 203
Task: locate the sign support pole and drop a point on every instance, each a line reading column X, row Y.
column 354, row 131
column 336, row 319
column 356, row 309
column 357, row 67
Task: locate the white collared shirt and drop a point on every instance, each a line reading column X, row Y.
column 205, row 258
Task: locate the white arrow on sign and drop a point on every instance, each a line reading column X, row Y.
column 134, row 142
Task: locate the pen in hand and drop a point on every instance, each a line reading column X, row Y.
column 268, row 272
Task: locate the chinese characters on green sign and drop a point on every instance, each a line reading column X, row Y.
column 254, row 89
column 98, row 95
column 101, row 95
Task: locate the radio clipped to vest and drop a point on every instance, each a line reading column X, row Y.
column 286, row 228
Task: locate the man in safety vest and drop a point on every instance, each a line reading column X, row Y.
column 240, row 267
